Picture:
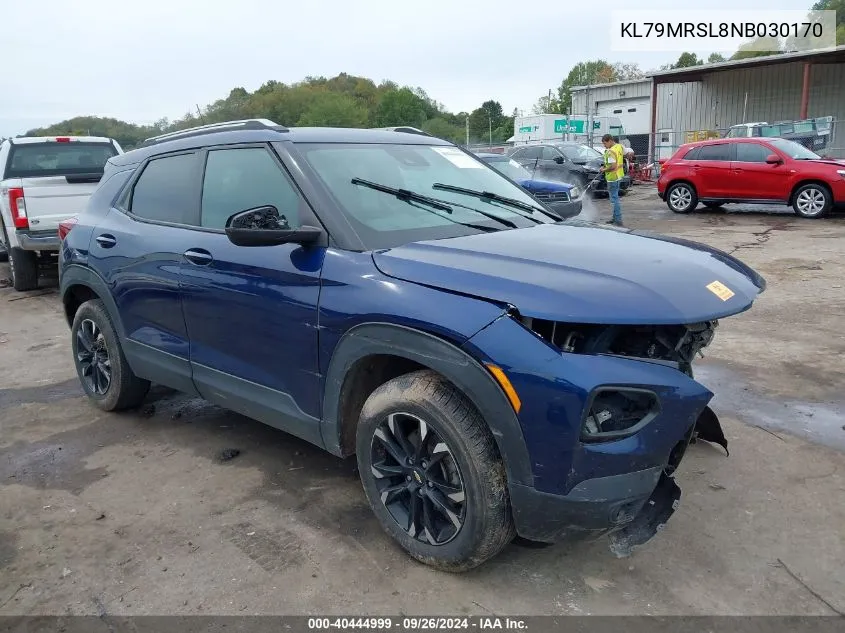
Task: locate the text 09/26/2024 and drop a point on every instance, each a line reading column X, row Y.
column 416, row 623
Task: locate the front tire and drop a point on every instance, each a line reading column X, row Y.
column 812, row 201
column 681, row 197
column 100, row 364
column 432, row 474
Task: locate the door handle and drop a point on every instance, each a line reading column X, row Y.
column 106, row 241
column 198, row 256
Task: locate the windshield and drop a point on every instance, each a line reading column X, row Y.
column 793, row 149
column 511, row 169
column 580, row 153
column 33, row 160
column 384, row 221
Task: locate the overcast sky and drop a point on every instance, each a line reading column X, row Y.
column 140, row 61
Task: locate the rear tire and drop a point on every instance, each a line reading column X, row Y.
column 681, row 197
column 4, row 247
column 446, row 503
column 100, row 364
column 24, row 267
column 812, row 201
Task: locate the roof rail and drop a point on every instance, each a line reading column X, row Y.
column 241, row 124
column 406, row 129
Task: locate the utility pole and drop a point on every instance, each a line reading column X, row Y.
column 490, row 118
column 467, row 130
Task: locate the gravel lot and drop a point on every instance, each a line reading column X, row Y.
column 134, row 514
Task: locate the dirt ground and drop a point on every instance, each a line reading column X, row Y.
column 134, row 514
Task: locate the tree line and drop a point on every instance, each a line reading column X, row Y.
column 341, row 101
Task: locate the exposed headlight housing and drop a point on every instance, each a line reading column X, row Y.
column 575, row 192
column 616, row 412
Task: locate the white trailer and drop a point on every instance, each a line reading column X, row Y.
column 545, row 128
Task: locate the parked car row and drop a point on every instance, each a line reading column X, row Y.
column 562, row 198
column 752, row 170
column 385, row 294
column 567, row 162
column 44, row 180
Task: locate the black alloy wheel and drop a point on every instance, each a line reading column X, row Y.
column 418, row 479
column 93, row 357
column 102, row 368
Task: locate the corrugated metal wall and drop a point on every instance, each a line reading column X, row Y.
column 774, row 93
column 719, row 99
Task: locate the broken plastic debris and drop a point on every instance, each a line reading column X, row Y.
column 228, row 453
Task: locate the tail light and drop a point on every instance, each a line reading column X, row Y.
column 17, row 205
column 65, row 226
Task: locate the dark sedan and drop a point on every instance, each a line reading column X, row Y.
column 561, row 197
column 567, row 162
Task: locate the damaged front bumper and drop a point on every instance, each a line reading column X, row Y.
column 605, row 426
column 631, row 507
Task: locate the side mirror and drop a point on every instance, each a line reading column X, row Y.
column 558, row 160
column 773, row 159
column 264, row 226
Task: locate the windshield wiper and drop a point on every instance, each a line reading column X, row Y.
column 487, row 195
column 407, row 196
column 416, row 200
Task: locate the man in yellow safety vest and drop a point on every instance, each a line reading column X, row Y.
column 614, row 171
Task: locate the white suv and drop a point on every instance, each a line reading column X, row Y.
column 43, row 181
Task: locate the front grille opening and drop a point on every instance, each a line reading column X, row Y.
column 619, row 412
column 676, row 343
column 552, row 196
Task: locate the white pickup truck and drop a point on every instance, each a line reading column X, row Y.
column 43, row 181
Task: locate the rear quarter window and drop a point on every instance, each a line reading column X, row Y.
column 35, row 160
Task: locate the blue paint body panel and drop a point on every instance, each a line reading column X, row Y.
column 579, row 274
column 264, row 330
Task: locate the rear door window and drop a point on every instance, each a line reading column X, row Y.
column 529, row 153
column 721, row 151
column 168, row 190
column 34, row 160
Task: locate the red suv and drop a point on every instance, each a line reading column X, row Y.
column 752, row 170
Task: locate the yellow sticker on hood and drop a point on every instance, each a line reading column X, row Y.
column 720, row 290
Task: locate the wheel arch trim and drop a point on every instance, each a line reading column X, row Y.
column 809, row 181
column 76, row 275
column 453, row 363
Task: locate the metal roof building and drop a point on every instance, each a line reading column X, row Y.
column 700, row 101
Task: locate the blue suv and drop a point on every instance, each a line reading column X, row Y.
column 497, row 372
